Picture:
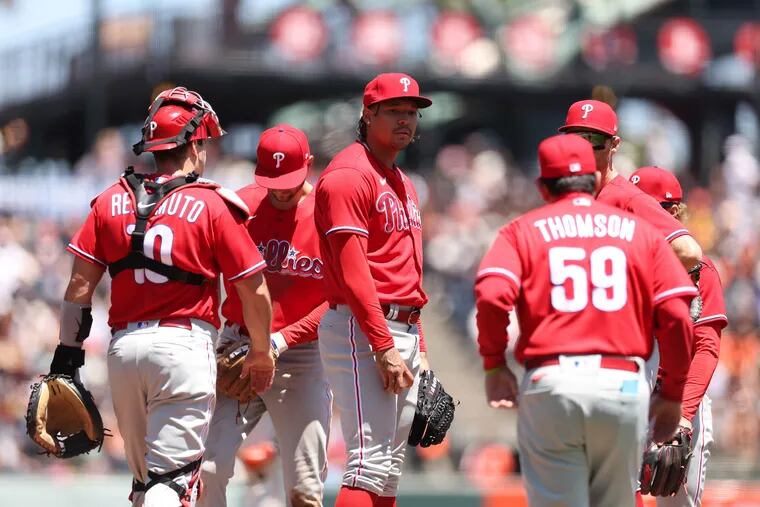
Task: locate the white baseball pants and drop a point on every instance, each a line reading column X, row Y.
column 299, row 404
column 375, row 424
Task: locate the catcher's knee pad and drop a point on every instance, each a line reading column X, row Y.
column 187, row 494
column 161, row 495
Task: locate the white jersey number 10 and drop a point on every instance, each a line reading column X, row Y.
column 607, row 264
column 167, row 240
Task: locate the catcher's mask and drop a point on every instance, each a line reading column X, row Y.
column 176, row 117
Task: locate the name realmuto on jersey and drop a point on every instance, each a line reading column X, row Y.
column 586, row 225
column 396, row 218
column 283, row 258
column 177, row 204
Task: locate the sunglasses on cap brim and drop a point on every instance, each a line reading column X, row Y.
column 668, row 205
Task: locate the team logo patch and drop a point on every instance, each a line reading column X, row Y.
column 152, row 128
column 406, row 82
column 278, row 156
column 586, row 108
column 635, row 179
column 574, row 167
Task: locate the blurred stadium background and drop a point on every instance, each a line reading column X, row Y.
column 77, row 76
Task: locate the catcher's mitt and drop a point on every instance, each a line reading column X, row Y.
column 62, row 417
column 229, row 366
column 664, row 467
column 435, row 412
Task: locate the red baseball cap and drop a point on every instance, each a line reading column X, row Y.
column 394, row 86
column 659, row 183
column 561, row 156
column 591, row 115
column 283, row 158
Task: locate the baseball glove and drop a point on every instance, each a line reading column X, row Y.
column 695, row 307
column 435, row 412
column 62, row 417
column 229, row 366
column 664, row 468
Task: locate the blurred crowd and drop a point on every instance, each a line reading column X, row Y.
column 469, row 189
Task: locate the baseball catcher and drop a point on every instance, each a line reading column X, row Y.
column 664, row 468
column 435, row 412
column 62, row 417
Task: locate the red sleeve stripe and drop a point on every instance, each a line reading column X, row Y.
column 676, row 234
column 254, row 268
column 711, row 318
column 348, row 228
column 499, row 272
column 678, row 291
column 86, row 255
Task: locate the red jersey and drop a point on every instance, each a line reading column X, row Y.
column 711, row 291
column 624, row 195
column 194, row 228
column 707, row 331
column 357, row 194
column 585, row 279
column 289, row 244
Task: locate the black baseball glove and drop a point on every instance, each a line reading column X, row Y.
column 664, row 468
column 435, row 412
column 62, row 417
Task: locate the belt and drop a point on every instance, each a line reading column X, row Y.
column 613, row 363
column 180, row 322
column 397, row 313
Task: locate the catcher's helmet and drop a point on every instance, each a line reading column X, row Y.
column 176, row 117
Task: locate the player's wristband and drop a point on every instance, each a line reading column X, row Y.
column 76, row 322
column 279, row 344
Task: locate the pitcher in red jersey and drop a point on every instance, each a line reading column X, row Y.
column 696, row 412
column 165, row 237
column 590, row 284
column 370, row 227
column 282, row 227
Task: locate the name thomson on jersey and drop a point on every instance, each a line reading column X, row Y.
column 586, row 226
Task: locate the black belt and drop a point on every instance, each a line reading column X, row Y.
column 397, row 313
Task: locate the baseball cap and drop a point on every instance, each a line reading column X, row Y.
column 659, row 183
column 394, row 86
column 283, row 154
column 591, row 115
column 561, row 156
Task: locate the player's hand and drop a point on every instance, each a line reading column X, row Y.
column 396, row 376
column 501, row 388
column 424, row 363
column 664, row 416
column 259, row 367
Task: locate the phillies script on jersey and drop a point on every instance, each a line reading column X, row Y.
column 357, row 195
column 288, row 242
